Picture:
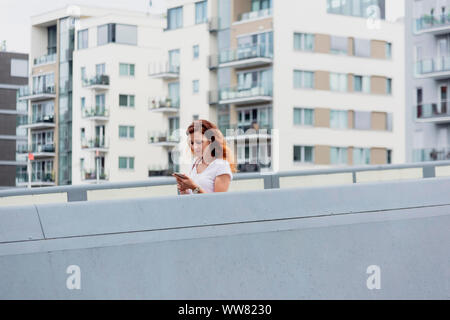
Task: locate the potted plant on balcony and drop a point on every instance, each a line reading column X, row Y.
column 152, row 139
column 168, row 102
column 102, row 176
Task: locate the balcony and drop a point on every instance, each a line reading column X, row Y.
column 39, row 179
column 433, row 25
column 254, row 15
column 438, row 68
column 164, row 71
column 100, row 82
column 213, row 24
column 237, row 96
column 164, row 105
column 90, row 176
column 164, row 139
column 43, row 150
column 431, row 154
column 243, row 131
column 246, row 57
column 96, row 114
column 39, row 122
column 434, row 112
column 46, row 59
column 161, row 171
column 43, row 93
column 96, row 144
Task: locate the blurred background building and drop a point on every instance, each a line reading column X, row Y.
column 428, row 74
column 13, row 74
column 110, row 88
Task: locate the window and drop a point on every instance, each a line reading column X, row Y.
column 126, row 100
column 19, row 68
column 126, row 132
column 100, row 69
column 304, row 41
column 175, row 18
column 126, row 69
column 388, row 86
column 339, row 45
column 83, row 39
column 83, row 73
column 126, row 163
column 388, row 50
column 338, row 155
column 303, row 116
column 362, row 120
column 338, row 82
column 361, row 156
column 83, row 102
column 303, row 79
column 116, row 33
column 338, row 119
column 361, row 84
column 201, row 12
column 195, row 86
column 389, row 122
column 304, row 154
column 361, row 48
column 196, row 51
column 357, row 8
column 51, row 40
column 174, row 93
column 389, row 156
column 174, row 60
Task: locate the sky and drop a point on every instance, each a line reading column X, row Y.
column 15, row 15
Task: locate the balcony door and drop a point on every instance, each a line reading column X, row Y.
column 100, row 136
column 442, row 105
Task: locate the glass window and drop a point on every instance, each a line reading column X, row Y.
column 126, row 100
column 122, row 163
column 297, row 154
column 339, row 45
column 131, row 132
column 195, row 86
column 126, row 34
column 304, row 154
column 303, row 79
column 201, row 12
column 338, row 155
column 174, row 59
column 338, row 82
column 303, row 116
column 83, row 39
column 357, row 83
column 123, row 132
column 175, row 18
column 362, row 48
column 388, row 86
column 196, row 51
column 388, row 50
column 361, row 156
column 304, row 41
column 338, row 119
column 366, row 84
column 131, row 163
column 126, row 69
column 362, row 120
column 102, row 35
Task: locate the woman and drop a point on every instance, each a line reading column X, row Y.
column 211, row 171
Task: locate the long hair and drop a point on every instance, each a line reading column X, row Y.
column 218, row 145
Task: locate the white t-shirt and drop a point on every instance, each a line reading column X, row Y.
column 207, row 177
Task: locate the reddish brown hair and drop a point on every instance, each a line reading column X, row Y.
column 213, row 134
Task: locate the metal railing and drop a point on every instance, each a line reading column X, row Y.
column 164, row 102
column 431, row 154
column 94, row 143
column 100, row 80
column 244, row 53
column 161, row 137
column 433, row 110
column 439, row 64
column 255, row 14
column 156, row 69
column 427, row 22
column 48, row 58
column 26, row 91
column 271, row 180
column 95, row 112
column 243, row 93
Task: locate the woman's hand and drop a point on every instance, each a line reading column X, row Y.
column 185, row 183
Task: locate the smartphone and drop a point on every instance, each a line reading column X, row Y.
column 180, row 175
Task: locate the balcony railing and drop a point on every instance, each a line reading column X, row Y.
column 430, row 66
column 431, row 154
column 36, row 178
column 259, row 54
column 97, row 112
column 25, row 92
column 255, row 15
column 428, row 22
column 241, row 128
column 164, row 71
column 94, row 143
column 437, row 112
column 239, row 95
column 97, row 81
column 160, row 103
column 164, row 138
column 91, row 174
column 38, row 121
column 43, row 148
column 49, row 58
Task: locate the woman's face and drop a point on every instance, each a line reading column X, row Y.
column 198, row 144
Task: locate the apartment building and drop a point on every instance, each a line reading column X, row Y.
column 291, row 85
column 427, row 80
column 13, row 74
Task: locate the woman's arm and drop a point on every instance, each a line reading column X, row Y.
column 222, row 183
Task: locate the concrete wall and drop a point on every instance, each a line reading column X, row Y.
column 272, row 244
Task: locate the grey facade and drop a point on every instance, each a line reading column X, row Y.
column 427, row 80
column 13, row 73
